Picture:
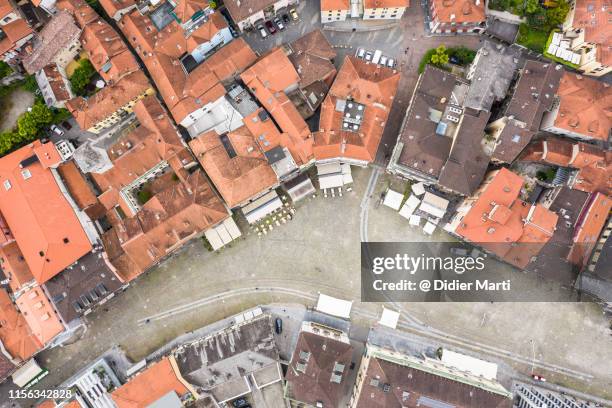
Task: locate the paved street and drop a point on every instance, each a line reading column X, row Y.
column 319, row 251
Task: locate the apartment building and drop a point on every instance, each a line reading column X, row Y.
column 384, row 9
column 335, row 10
column 15, row 32
column 457, row 16
column 247, row 13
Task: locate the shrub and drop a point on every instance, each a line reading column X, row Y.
column 81, row 77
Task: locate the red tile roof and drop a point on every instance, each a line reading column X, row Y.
column 459, row 11
column 504, row 224
column 40, row 218
column 585, row 106
column 594, row 17
column 367, row 84
column 244, row 176
column 40, row 315
column 145, row 388
column 593, row 163
column 335, row 5
column 15, row 31
column 15, row 333
column 370, row 4
column 269, row 80
column 588, row 228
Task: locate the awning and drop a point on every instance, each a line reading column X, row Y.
column 415, row 220
column 331, row 181
column 410, row 206
column 27, row 373
column 333, row 306
column 418, row 188
column 332, row 175
column 223, row 234
column 261, row 207
column 389, row 318
column 429, row 228
column 434, row 205
column 299, row 187
column 393, row 199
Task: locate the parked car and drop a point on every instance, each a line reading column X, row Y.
column 55, row 129
column 286, row 18
column 368, row 56
column 66, row 125
column 240, row 403
column 391, row 63
column 278, row 325
column 360, row 53
column 279, row 23
column 293, row 14
column 538, row 378
column 262, row 31
column 383, row 61
column 270, row 27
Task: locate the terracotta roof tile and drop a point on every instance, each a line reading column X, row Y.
column 241, row 9
column 15, row 333
column 14, row 266
column 57, row 34
column 367, row 84
column 15, row 31
column 312, row 58
column 77, row 185
column 154, row 382
column 335, row 5
column 589, row 227
column 236, row 178
column 58, row 84
column 499, row 219
column 40, row 315
column 459, row 11
column 594, row 17
column 369, row 4
column 40, row 218
column 585, row 106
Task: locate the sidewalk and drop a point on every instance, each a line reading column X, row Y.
column 360, row 25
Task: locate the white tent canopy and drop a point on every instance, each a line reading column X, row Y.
column 333, row 306
column 261, row 207
column 393, row 199
column 27, row 373
column 410, row 206
column 332, row 175
column 418, row 188
column 469, row 364
column 434, row 205
column 223, row 233
column 389, row 318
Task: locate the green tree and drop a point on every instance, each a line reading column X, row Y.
column 30, row 84
column 440, row 57
column 5, row 69
column 555, row 16
column 81, row 77
column 532, row 6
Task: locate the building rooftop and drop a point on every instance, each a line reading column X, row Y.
column 585, row 106
column 534, row 93
column 460, row 11
column 552, row 261
column 81, row 286
column 594, row 164
column 312, row 58
column 385, row 3
column 269, row 79
column 594, row 17
column 241, row 9
column 57, row 83
column 89, row 112
column 40, row 315
column 145, row 388
column 186, row 83
column 218, row 363
column 319, row 366
column 335, row 5
column 498, row 220
column 180, row 202
column 14, row 32
column 427, row 133
column 38, row 214
column 355, row 111
column 467, row 162
column 235, row 162
column 514, row 137
column 15, row 334
column 57, row 34
column 490, row 74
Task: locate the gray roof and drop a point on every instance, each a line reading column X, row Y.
column 217, row 363
column 491, row 75
column 534, row 92
column 513, row 138
column 424, row 150
column 467, row 162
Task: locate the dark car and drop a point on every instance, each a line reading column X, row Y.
column 66, row 125
column 278, row 325
column 270, row 27
column 278, row 23
column 240, row 403
column 286, row 18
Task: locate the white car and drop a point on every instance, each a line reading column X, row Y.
column 360, row 53
column 383, row 61
column 368, row 56
column 262, row 31
column 391, row 63
column 55, row 129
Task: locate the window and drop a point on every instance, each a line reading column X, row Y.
column 7, row 185
column 26, row 174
